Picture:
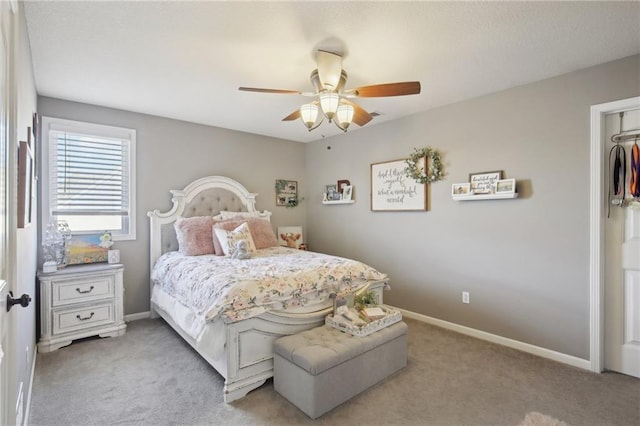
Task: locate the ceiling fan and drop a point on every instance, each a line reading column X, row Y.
column 328, row 81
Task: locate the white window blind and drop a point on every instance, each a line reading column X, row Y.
column 89, row 175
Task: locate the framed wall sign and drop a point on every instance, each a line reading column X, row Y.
column 393, row 190
column 485, row 182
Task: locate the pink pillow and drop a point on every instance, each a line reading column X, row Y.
column 261, row 232
column 195, row 235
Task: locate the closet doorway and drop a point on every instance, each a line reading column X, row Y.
column 617, row 284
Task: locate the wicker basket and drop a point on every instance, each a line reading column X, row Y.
column 392, row 317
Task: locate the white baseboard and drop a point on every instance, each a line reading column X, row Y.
column 25, row 421
column 138, row 316
column 468, row 331
column 514, row 344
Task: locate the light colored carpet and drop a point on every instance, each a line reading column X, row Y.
column 150, row 376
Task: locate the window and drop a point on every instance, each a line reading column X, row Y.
column 89, row 173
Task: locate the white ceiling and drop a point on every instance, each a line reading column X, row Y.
column 186, row 60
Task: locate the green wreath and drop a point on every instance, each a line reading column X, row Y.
column 415, row 171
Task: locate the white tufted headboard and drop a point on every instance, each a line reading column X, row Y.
column 206, row 196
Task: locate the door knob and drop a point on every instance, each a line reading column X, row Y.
column 22, row 301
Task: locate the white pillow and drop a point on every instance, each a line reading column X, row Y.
column 224, row 215
column 229, row 239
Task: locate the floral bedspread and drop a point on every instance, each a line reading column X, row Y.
column 273, row 278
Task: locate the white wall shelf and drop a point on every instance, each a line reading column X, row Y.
column 477, row 197
column 339, row 202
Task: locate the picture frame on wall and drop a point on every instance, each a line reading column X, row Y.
column 461, row 188
column 506, row 186
column 330, row 192
column 393, row 190
column 342, row 183
column 286, row 192
column 26, row 184
column 484, row 182
column 347, row 192
column 35, row 129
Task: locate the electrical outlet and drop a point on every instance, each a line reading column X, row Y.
column 465, row 297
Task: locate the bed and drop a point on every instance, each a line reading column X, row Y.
column 237, row 342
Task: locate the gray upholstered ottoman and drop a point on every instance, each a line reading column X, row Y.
column 319, row 369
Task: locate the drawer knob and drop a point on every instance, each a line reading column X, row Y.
column 85, row 318
column 84, row 291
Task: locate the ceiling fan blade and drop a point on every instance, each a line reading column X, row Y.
column 360, row 115
column 388, row 89
column 293, row 116
column 277, row 91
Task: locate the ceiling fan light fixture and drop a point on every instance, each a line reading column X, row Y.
column 329, row 103
column 329, row 69
column 344, row 116
column 309, row 114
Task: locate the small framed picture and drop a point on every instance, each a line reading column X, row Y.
column 337, row 196
column 506, row 186
column 330, row 191
column 485, row 182
column 461, row 188
column 286, row 192
column 342, row 183
column 347, row 192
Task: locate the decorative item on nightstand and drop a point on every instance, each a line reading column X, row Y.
column 113, row 256
column 106, row 241
column 55, row 243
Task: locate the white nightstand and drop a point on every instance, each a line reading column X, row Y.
column 80, row 301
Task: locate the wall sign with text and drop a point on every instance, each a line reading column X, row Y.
column 393, row 190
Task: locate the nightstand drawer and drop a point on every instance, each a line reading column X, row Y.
column 65, row 292
column 77, row 319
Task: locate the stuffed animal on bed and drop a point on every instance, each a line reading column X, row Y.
column 241, row 251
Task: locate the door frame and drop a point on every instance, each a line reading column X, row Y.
column 596, row 239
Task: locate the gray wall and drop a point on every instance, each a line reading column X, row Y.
column 525, row 262
column 171, row 154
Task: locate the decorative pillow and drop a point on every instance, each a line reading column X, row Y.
column 229, row 239
column 195, row 235
column 261, row 232
column 227, row 225
column 225, row 215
